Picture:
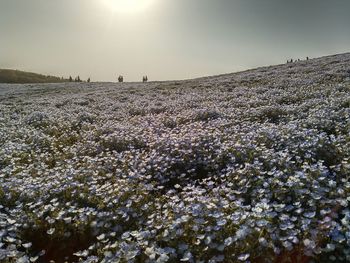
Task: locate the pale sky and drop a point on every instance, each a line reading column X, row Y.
column 166, row 39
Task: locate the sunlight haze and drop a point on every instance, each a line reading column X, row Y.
column 166, row 39
column 129, row 6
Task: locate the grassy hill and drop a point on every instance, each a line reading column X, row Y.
column 17, row 76
column 252, row 166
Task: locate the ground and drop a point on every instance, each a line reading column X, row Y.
column 252, row 166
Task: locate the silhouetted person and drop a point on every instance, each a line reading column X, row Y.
column 120, row 78
column 307, row 58
column 88, row 80
column 145, row 79
column 77, row 79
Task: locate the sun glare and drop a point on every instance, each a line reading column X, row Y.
column 129, row 6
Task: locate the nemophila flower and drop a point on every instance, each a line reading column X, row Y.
column 9, row 239
column 243, row 257
column 309, row 214
column 50, row 231
column 337, row 236
column 187, row 256
column 211, row 170
column 228, row 241
column 27, row 245
column 84, row 253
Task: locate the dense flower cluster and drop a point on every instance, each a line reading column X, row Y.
column 246, row 167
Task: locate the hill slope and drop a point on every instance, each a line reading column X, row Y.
column 246, row 167
column 17, row 76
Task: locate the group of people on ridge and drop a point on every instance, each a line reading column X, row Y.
column 121, row 78
column 296, row 60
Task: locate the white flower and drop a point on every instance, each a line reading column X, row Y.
column 243, row 257
column 187, row 256
column 310, row 214
column 228, row 241
column 23, row 259
column 221, row 222
column 101, row 237
column 27, row 245
column 50, row 231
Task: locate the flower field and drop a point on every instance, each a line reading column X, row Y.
column 245, row 167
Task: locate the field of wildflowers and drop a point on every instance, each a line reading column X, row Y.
column 245, row 167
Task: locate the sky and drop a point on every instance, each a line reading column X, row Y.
column 166, row 39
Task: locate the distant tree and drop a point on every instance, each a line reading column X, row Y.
column 70, row 79
column 77, row 79
column 88, row 80
column 17, row 76
column 120, row 78
column 307, row 58
column 145, row 79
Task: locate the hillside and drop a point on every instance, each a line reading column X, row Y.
column 252, row 166
column 16, row 76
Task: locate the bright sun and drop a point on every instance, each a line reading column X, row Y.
column 128, row 6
